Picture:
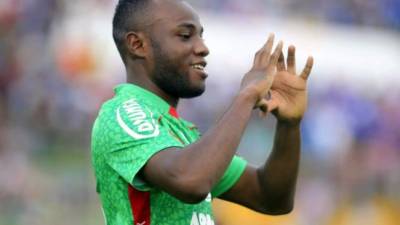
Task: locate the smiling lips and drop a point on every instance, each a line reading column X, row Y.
column 199, row 65
column 200, row 68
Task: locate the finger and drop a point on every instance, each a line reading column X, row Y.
column 272, row 105
column 291, row 60
column 270, row 41
column 307, row 69
column 264, row 52
column 275, row 56
column 263, row 106
column 257, row 58
column 268, row 96
column 281, row 62
column 267, row 50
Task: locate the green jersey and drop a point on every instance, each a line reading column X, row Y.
column 130, row 128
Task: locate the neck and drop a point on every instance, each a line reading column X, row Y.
column 139, row 76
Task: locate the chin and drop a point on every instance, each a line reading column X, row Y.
column 193, row 92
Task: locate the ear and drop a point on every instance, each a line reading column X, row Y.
column 136, row 44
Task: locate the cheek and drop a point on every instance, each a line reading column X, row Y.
column 178, row 54
column 180, row 50
column 181, row 63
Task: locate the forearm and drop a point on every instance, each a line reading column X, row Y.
column 279, row 174
column 207, row 159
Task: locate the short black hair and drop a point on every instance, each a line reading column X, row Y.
column 128, row 16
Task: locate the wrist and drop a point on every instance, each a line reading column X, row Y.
column 249, row 95
column 291, row 123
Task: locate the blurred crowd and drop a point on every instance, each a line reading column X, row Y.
column 378, row 13
column 51, row 88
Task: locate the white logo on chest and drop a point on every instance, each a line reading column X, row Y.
column 144, row 125
column 201, row 219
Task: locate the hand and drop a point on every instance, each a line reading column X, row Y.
column 288, row 100
column 260, row 77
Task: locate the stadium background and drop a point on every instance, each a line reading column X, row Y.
column 58, row 63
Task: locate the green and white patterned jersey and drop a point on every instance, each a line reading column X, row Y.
column 130, row 128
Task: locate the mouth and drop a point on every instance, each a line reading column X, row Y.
column 200, row 67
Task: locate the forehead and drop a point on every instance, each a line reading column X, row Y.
column 174, row 12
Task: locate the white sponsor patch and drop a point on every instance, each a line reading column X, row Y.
column 137, row 120
column 209, row 198
column 201, row 219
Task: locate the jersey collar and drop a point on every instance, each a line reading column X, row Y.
column 154, row 100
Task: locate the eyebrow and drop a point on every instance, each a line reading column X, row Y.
column 191, row 26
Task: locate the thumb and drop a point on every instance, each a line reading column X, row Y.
column 263, row 106
column 271, row 105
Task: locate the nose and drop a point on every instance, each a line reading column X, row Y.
column 201, row 48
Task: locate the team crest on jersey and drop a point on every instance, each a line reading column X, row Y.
column 137, row 120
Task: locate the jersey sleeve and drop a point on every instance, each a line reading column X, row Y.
column 230, row 177
column 140, row 133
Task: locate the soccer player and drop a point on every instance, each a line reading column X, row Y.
column 152, row 166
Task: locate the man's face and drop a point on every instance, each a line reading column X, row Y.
column 178, row 50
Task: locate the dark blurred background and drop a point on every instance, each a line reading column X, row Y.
column 58, row 64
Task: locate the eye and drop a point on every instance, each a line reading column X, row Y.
column 185, row 36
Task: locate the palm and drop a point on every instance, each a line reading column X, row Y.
column 289, row 91
column 290, row 95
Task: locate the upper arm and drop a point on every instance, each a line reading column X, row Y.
column 162, row 171
column 166, row 171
